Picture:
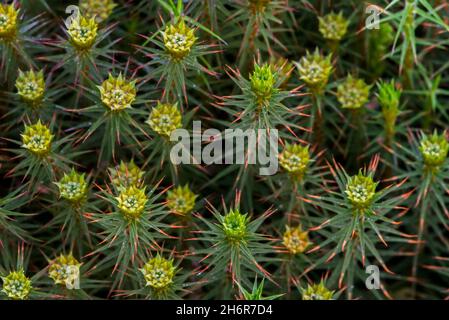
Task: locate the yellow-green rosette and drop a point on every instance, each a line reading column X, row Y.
column 159, row 273
column 181, row 200
column 37, row 139
column 8, row 22
column 31, row 87
column 178, row 40
column 82, row 33
column 16, row 285
column 164, row 119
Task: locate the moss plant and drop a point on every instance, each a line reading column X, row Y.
column 238, row 149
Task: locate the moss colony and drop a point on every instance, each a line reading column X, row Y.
column 94, row 204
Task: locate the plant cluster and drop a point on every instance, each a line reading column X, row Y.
column 92, row 205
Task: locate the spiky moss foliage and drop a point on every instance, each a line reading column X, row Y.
column 256, row 292
column 65, row 270
column 131, row 202
column 315, row 69
column 259, row 5
column 295, row 159
column 117, row 94
column 353, row 93
column 378, row 42
column 100, row 10
column 16, row 280
column 133, row 225
column 158, row 273
column 17, row 40
column 10, row 218
column 434, row 150
column 163, row 137
column 70, row 202
column 295, row 240
column 297, row 168
column 31, row 87
column 72, row 187
column 37, row 139
column 283, row 67
column 8, row 22
column 262, row 19
column 333, row 27
column 234, row 247
column 389, row 99
column 260, row 105
column 82, row 51
column 41, row 158
column 162, row 122
column 126, row 175
column 178, row 55
column 361, row 217
column 360, row 191
column 178, row 40
column 82, row 32
column 263, row 80
column 181, row 200
column 16, row 285
column 113, row 115
column 160, row 278
column 34, row 98
column 317, row 292
column 164, row 119
column 427, row 166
